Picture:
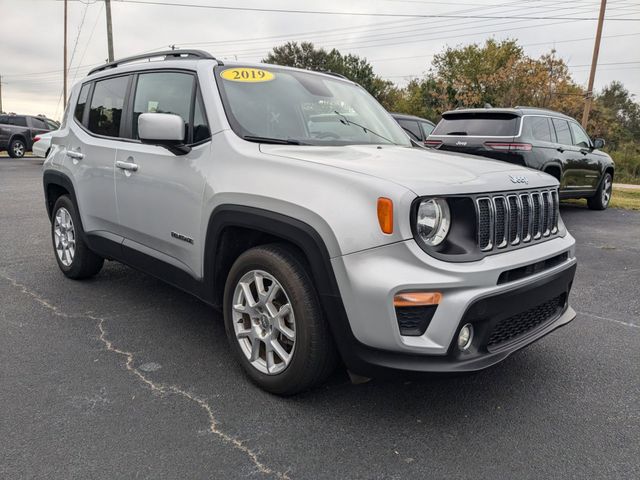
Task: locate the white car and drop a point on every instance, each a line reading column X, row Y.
column 292, row 201
column 42, row 144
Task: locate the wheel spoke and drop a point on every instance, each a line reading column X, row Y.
column 255, row 350
column 245, row 333
column 280, row 351
column 270, row 361
column 259, row 281
column 286, row 331
column 246, row 291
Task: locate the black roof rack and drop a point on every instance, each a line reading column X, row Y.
column 168, row 55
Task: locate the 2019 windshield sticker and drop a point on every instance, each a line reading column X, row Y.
column 250, row 75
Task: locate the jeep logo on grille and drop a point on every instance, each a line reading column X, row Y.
column 519, row 179
column 461, row 143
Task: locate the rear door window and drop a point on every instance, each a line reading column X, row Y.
column 580, row 138
column 539, row 128
column 562, row 131
column 107, row 102
column 479, row 125
column 412, row 128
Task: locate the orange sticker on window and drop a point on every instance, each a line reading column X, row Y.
column 250, row 75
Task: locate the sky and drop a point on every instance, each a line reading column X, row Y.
column 396, row 36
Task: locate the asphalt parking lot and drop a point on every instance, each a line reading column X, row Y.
column 123, row 376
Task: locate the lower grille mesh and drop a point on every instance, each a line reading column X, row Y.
column 513, row 327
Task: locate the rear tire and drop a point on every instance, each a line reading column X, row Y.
column 72, row 253
column 600, row 201
column 274, row 321
column 17, row 148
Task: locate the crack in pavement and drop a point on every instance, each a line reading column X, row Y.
column 619, row 322
column 156, row 387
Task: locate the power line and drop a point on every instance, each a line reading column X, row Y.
column 358, row 14
column 378, row 26
column 420, row 38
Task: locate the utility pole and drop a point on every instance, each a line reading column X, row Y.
column 594, row 63
column 64, row 70
column 1, row 94
column 107, row 4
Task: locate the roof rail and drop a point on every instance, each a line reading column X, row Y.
column 530, row 108
column 168, row 55
column 333, row 74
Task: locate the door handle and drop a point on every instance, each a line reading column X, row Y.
column 75, row 155
column 132, row 167
column 560, row 149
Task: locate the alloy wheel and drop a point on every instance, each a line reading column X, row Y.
column 18, row 149
column 263, row 321
column 64, row 237
column 606, row 190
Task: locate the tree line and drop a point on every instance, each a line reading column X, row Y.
column 498, row 73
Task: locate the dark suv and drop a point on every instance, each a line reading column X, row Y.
column 17, row 132
column 417, row 128
column 536, row 138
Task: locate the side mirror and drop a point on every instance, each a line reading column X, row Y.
column 165, row 129
column 598, row 143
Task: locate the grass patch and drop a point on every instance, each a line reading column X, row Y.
column 629, row 199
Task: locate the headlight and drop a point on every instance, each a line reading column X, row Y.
column 434, row 219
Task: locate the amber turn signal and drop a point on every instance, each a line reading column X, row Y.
column 385, row 214
column 416, row 299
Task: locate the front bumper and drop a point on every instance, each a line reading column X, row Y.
column 471, row 294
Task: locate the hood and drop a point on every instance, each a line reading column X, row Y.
column 424, row 171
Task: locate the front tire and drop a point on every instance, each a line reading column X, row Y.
column 72, row 253
column 274, row 321
column 600, row 201
column 17, row 148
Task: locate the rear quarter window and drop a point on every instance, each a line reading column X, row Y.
column 78, row 112
column 37, row 123
column 488, row 125
column 538, row 128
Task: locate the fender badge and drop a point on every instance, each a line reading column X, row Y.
column 184, row 238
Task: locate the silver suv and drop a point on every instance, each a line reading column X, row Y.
column 293, row 202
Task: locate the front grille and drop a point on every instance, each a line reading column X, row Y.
column 513, row 219
column 514, row 327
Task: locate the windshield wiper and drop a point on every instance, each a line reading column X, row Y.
column 345, row 121
column 275, row 141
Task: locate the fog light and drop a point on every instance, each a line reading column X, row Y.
column 465, row 337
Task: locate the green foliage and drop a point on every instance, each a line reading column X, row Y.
column 498, row 73
column 305, row 55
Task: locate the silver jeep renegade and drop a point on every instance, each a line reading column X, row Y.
column 292, row 201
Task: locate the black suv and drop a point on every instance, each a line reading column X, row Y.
column 417, row 128
column 17, row 132
column 536, row 138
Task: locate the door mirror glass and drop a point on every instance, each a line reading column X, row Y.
column 598, row 143
column 164, row 129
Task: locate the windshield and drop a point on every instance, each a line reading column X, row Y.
column 289, row 106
